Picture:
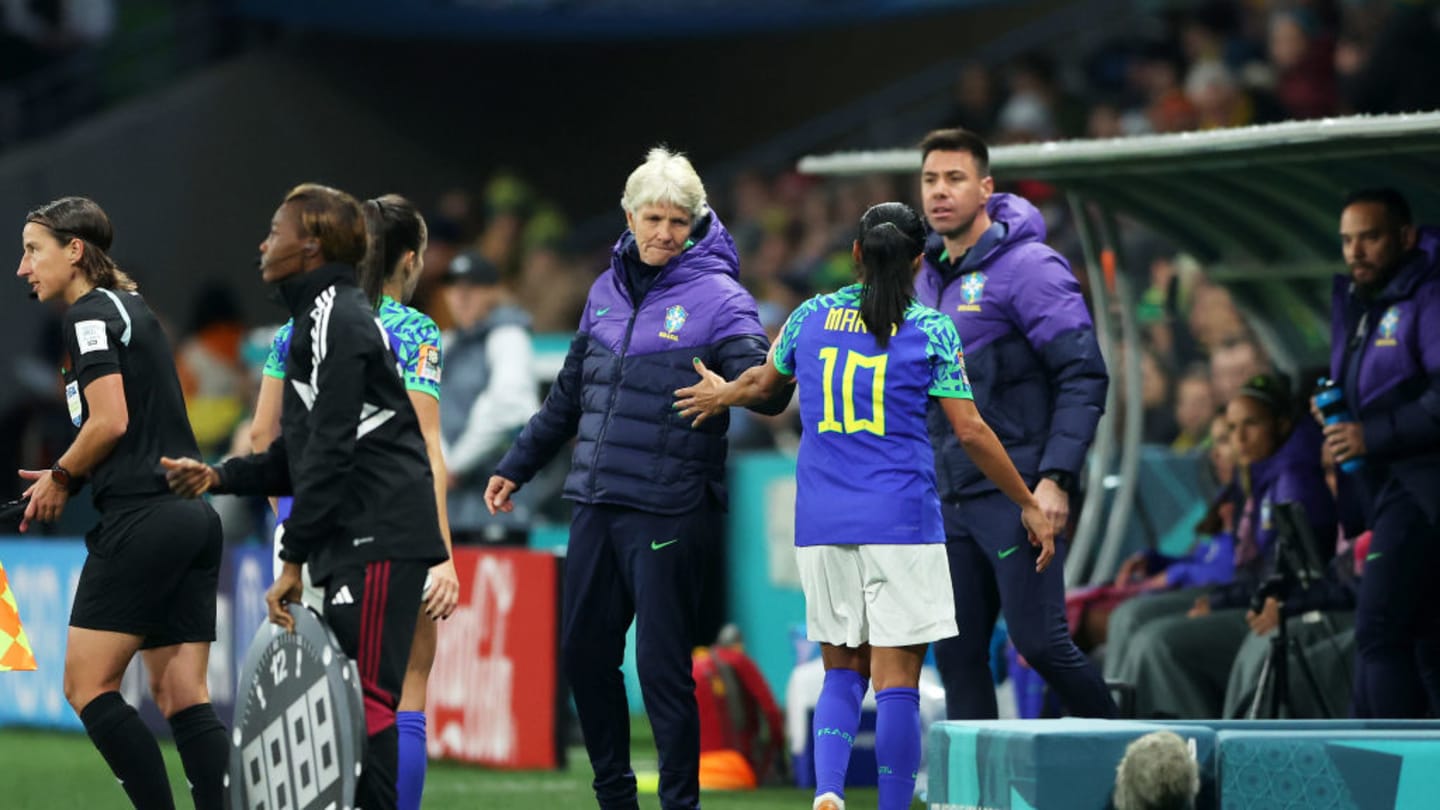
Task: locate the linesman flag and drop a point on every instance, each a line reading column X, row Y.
column 15, row 653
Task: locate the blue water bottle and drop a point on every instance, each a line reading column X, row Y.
column 1331, row 402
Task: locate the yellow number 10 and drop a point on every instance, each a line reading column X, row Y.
column 853, row 361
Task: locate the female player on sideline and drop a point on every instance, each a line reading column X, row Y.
column 871, row 545
column 388, row 275
column 149, row 579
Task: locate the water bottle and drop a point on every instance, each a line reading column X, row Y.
column 1331, row 402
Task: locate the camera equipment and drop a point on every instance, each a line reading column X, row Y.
column 1297, row 563
column 1331, row 402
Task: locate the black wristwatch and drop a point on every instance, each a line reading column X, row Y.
column 1062, row 479
column 60, row 476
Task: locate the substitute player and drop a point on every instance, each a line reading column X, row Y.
column 388, row 275
column 351, row 453
column 869, row 536
column 149, row 579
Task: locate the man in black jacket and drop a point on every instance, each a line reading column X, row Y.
column 351, row 453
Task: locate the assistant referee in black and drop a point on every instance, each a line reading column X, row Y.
column 150, row 576
column 351, row 453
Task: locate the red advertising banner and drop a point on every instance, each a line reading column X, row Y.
column 492, row 689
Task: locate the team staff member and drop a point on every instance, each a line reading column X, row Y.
column 648, row 489
column 388, row 275
column 149, row 579
column 870, row 541
column 1041, row 381
column 351, row 452
column 1385, row 355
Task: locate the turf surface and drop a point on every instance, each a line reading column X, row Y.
column 58, row 771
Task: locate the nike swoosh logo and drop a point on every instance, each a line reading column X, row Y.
column 1007, row 552
column 1374, row 555
column 654, row 546
column 600, row 313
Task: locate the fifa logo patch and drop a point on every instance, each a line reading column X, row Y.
column 427, row 365
column 674, row 321
column 1389, row 325
column 972, row 288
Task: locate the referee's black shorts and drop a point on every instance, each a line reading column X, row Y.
column 152, row 571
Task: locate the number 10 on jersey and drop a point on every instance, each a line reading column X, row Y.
column 854, row 361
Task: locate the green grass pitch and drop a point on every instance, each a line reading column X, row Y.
column 47, row 770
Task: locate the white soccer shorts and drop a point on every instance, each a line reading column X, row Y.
column 885, row 595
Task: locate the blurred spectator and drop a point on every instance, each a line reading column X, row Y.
column 1393, row 68
column 1195, row 406
column 1167, row 108
column 975, row 104
column 213, row 377
column 1036, row 109
column 490, row 393
column 552, row 289
column 1304, row 61
column 449, row 230
column 1214, row 319
column 1231, row 365
column 1159, row 422
column 1218, row 98
column 508, row 203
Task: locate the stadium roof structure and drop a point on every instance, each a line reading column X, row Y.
column 1258, row 206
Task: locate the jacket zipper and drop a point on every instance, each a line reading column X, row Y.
column 614, row 392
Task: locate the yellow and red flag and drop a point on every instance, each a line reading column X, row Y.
column 15, row 653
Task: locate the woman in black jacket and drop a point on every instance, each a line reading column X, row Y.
column 351, row 453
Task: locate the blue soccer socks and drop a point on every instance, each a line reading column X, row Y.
column 837, row 719
column 897, row 745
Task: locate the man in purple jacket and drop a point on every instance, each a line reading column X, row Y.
column 1040, row 382
column 1385, row 355
column 648, row 489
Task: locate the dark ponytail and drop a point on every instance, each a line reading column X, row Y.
column 81, row 218
column 891, row 237
column 394, row 227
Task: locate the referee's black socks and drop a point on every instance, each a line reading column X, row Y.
column 130, row 750
column 205, row 753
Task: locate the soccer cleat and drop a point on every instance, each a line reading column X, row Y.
column 828, row 801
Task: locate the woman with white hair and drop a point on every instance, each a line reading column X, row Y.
column 648, row 489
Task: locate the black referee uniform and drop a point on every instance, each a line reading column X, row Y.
column 364, row 517
column 154, row 558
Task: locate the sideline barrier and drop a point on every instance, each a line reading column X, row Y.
column 44, row 574
column 494, row 688
column 1026, row 764
column 1070, row 763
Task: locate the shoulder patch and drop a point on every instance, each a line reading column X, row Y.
column 427, row 365
column 91, row 336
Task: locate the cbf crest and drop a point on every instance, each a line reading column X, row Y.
column 1388, row 327
column 674, row 321
column 972, row 289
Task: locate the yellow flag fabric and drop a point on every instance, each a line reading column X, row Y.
column 15, row 652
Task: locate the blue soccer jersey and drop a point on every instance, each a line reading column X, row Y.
column 866, row 471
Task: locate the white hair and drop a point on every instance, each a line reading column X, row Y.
column 665, row 178
column 1158, row 772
